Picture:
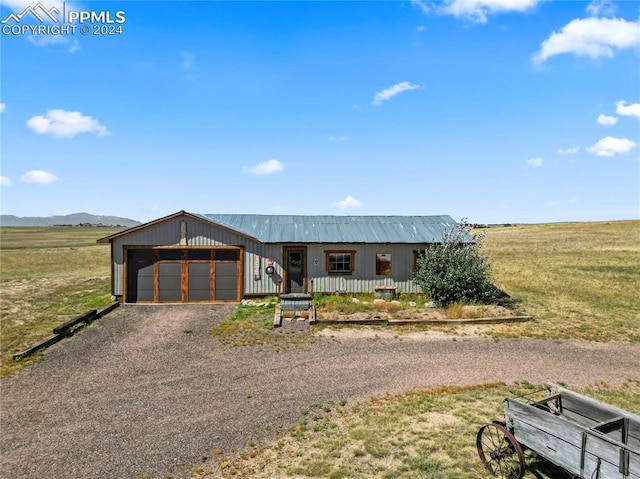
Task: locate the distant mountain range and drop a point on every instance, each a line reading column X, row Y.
column 68, row 220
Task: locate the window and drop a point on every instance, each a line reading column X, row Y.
column 199, row 254
column 226, row 255
column 383, row 264
column 169, row 254
column 144, row 255
column 340, row 262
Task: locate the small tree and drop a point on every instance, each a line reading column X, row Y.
column 456, row 270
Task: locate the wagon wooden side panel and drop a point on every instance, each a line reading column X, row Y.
column 634, row 465
column 552, row 436
column 590, row 412
column 586, row 438
column 607, row 458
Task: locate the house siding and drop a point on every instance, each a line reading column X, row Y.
column 201, row 234
column 364, row 278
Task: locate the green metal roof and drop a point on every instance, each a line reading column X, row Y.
column 336, row 229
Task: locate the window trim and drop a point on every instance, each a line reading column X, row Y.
column 328, row 253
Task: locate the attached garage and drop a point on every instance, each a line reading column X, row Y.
column 182, row 275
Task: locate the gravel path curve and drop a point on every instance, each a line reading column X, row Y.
column 134, row 394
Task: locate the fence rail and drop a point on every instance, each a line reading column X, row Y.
column 67, row 329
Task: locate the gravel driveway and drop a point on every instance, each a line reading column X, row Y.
column 134, row 394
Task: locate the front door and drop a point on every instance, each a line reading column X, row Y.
column 296, row 270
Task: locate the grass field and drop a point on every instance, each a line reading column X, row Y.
column 427, row 434
column 48, row 275
column 579, row 281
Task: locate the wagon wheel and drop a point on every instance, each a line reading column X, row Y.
column 500, row 452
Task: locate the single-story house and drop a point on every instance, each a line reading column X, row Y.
column 187, row 257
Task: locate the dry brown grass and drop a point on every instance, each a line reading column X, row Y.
column 409, row 306
column 426, row 434
column 48, row 276
column 462, row 311
column 578, row 280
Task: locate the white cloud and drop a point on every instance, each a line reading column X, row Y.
column 632, row 110
column 592, row 37
column 3, row 107
column 46, row 40
column 348, row 202
column 65, row 124
column 420, row 28
column 420, row 5
column 390, row 92
column 535, row 162
column 610, row 146
column 598, row 8
column 265, row 168
column 478, row 10
column 607, row 120
column 569, row 151
column 52, row 40
column 38, row 176
column 474, row 10
column 4, row 181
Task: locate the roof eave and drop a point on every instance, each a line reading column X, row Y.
column 110, row 238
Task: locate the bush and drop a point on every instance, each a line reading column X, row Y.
column 456, row 270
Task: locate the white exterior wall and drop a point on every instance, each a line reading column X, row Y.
column 199, row 233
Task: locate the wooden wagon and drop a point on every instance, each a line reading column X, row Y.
column 586, row 438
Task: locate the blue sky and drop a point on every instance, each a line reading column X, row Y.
column 495, row 111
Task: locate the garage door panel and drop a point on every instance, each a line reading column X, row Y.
column 140, row 281
column 226, row 281
column 227, row 269
column 199, row 281
column 145, row 283
column 199, row 295
column 226, row 294
column 170, row 281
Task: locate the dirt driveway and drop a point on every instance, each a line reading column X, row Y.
column 136, row 394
